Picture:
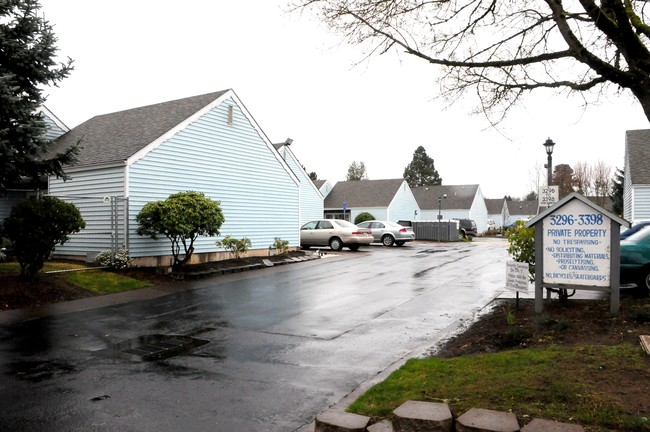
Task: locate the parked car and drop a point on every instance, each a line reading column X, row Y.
column 335, row 233
column 636, row 227
column 388, row 233
column 466, row 227
column 635, row 259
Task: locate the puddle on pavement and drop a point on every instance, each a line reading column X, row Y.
column 153, row 347
column 37, row 371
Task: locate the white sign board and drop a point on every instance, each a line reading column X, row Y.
column 577, row 246
column 517, row 276
column 548, row 195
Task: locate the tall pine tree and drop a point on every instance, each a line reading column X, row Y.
column 421, row 171
column 27, row 65
column 616, row 193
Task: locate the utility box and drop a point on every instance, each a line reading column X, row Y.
column 577, row 247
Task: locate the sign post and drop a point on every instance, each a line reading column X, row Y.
column 517, row 278
column 548, row 195
column 577, row 247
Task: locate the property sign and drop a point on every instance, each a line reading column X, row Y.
column 577, row 246
column 517, row 276
column 548, row 195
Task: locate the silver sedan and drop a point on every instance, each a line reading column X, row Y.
column 389, row 233
column 334, row 233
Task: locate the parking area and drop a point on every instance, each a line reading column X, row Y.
column 275, row 346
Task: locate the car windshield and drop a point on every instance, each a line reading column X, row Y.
column 343, row 223
column 638, row 236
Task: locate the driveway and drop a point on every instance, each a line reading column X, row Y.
column 281, row 344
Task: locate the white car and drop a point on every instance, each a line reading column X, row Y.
column 335, row 233
column 389, row 233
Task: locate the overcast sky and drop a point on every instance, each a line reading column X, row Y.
column 298, row 80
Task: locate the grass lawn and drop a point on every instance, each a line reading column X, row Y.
column 574, row 363
column 96, row 281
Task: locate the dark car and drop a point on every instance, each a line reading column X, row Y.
column 634, row 229
column 466, row 228
column 635, row 259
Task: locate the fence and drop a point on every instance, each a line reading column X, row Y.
column 446, row 231
column 106, row 226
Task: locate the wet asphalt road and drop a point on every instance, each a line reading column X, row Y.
column 283, row 344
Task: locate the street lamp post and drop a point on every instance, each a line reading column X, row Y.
column 440, row 206
column 548, row 145
column 440, row 214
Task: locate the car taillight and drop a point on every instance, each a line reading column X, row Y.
column 403, row 230
column 361, row 232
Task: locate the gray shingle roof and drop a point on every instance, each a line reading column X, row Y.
column 494, row 206
column 363, row 193
column 117, row 136
column 319, row 183
column 458, row 196
column 637, row 150
column 522, row 208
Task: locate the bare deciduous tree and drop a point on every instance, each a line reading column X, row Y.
column 602, row 179
column 583, row 178
column 504, row 49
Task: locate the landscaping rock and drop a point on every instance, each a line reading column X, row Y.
column 538, row 425
column 382, row 426
column 482, row 420
column 340, row 421
column 416, row 416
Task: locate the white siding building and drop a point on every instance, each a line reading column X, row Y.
column 453, row 202
column 390, row 200
column 311, row 199
column 636, row 193
column 209, row 144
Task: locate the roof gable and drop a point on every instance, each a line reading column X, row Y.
column 363, row 193
column 494, row 206
column 522, row 208
column 117, row 137
column 458, row 196
column 637, row 155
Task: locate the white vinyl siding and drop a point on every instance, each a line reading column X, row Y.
column 311, row 201
column 628, row 195
column 641, row 209
column 8, row 201
column 403, row 206
column 229, row 163
column 478, row 212
column 54, row 128
column 92, row 192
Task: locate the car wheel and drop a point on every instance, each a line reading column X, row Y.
column 304, row 247
column 353, row 248
column 644, row 280
column 387, row 240
column 336, row 243
column 400, row 243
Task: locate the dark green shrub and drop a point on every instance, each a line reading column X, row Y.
column 35, row 226
column 182, row 218
column 362, row 217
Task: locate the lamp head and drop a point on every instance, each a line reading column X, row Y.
column 548, row 145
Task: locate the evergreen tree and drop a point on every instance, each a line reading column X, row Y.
column 532, row 195
column 313, row 176
column 616, row 193
column 421, row 171
column 27, row 64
